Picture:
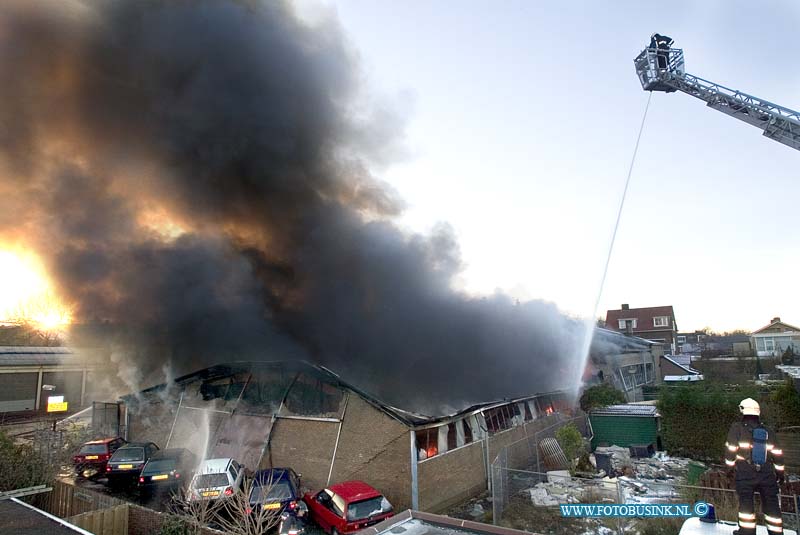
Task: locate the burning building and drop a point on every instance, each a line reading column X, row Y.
column 196, row 179
column 305, row 416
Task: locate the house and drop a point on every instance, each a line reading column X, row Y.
column 656, row 324
column 292, row 413
column 673, row 370
column 773, row 339
column 702, row 343
column 626, row 362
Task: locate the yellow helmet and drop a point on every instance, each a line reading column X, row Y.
column 749, row 407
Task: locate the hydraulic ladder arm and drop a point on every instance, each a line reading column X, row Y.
column 661, row 69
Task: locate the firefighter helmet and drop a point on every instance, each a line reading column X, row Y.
column 750, row 407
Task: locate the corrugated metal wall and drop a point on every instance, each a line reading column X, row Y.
column 18, row 391
column 623, row 430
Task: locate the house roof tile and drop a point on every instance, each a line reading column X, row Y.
column 643, row 316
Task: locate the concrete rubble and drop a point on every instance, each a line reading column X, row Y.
column 638, row 480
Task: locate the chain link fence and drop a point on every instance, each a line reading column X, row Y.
column 530, row 501
column 526, row 497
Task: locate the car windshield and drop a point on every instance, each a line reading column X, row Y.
column 128, row 454
column 368, row 508
column 208, row 481
column 160, row 465
column 92, row 448
column 278, row 492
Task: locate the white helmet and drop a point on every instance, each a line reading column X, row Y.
column 749, row 407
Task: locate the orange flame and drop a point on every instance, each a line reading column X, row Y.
column 26, row 293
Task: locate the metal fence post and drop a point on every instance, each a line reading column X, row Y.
column 620, row 528
column 796, row 515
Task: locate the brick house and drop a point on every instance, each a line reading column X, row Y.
column 656, row 324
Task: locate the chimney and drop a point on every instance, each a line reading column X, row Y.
column 626, row 306
column 776, row 319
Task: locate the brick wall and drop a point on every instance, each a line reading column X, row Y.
column 142, row 521
column 375, row 448
column 305, row 446
column 451, row 477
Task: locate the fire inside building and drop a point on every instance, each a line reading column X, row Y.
column 304, row 416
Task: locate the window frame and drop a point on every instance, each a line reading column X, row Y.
column 657, row 323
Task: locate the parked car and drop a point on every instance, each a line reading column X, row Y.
column 127, row 462
column 216, row 479
column 91, row 459
column 347, row 507
column 275, row 489
column 167, row 470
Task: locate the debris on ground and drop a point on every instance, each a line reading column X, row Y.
column 631, row 480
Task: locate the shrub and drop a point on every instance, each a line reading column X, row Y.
column 785, row 405
column 600, row 395
column 20, row 466
column 570, row 440
column 695, row 418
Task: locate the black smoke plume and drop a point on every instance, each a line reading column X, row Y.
column 197, row 176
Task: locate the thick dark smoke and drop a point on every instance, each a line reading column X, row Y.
column 196, row 175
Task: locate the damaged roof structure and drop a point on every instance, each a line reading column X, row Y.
column 627, row 362
column 297, row 414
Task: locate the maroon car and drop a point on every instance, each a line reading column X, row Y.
column 93, row 456
column 347, row 507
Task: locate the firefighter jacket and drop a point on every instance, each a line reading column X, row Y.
column 739, row 448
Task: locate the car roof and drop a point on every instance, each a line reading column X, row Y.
column 353, row 491
column 210, row 466
column 137, row 445
column 272, row 474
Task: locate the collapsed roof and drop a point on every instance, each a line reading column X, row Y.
column 287, row 388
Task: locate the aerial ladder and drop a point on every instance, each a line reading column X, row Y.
column 662, row 69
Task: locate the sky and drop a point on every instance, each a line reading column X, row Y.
column 520, row 123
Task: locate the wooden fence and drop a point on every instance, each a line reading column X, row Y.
column 67, row 500
column 112, row 521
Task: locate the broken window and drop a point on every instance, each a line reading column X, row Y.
column 459, row 427
column 452, row 439
column 467, row 431
column 312, row 396
column 529, row 411
column 427, row 443
column 501, row 418
column 478, row 426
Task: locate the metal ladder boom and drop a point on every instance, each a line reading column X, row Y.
column 777, row 122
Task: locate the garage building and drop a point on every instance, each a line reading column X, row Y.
column 304, row 416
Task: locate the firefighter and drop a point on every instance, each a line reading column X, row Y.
column 662, row 42
column 757, row 459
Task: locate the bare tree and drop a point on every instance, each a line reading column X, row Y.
column 233, row 515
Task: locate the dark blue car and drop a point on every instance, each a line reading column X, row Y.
column 275, row 489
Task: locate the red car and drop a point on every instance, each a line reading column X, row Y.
column 347, row 507
column 93, row 456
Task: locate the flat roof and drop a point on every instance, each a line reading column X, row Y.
column 21, row 518
column 35, row 356
column 412, row 522
column 645, row 411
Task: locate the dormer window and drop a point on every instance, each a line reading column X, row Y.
column 661, row 321
column 623, row 324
